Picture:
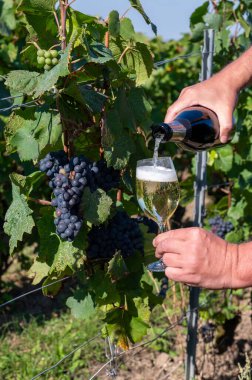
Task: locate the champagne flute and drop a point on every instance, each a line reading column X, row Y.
column 157, row 194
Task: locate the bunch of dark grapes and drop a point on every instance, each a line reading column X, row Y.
column 121, row 233
column 207, row 332
column 152, row 226
column 68, row 178
column 164, row 287
column 219, row 227
column 106, row 178
column 47, row 58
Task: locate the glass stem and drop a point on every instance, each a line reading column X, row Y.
column 164, row 227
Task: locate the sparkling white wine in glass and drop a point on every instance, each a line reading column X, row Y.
column 157, row 192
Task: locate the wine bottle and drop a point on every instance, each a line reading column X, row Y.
column 194, row 128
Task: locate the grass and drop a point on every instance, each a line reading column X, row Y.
column 27, row 348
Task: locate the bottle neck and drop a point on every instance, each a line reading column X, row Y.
column 178, row 129
column 175, row 131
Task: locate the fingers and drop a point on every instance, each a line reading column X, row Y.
column 186, row 99
column 174, row 246
column 175, row 274
column 178, row 275
column 172, row 260
column 225, row 127
column 181, row 234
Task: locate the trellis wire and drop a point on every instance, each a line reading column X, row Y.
column 11, row 97
column 66, row 356
column 168, row 60
column 29, row 104
column 33, row 291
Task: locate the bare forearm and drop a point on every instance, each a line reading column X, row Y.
column 238, row 74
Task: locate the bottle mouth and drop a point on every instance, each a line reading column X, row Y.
column 160, row 131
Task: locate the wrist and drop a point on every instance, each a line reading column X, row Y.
column 243, row 272
column 238, row 74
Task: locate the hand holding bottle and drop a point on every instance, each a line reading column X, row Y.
column 217, row 94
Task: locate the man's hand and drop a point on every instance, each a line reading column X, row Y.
column 199, row 258
column 217, row 94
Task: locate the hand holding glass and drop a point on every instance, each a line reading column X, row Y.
column 157, row 194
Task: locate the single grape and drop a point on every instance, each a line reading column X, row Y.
column 55, row 61
column 47, row 54
column 48, row 61
column 47, row 67
column 41, row 53
column 54, row 53
column 41, row 60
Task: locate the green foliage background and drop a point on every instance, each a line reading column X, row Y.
column 108, row 95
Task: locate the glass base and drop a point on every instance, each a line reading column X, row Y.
column 157, row 266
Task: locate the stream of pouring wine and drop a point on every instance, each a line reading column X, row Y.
column 155, row 155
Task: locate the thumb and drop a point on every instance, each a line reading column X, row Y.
column 226, row 125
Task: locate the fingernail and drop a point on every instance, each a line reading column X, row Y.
column 224, row 139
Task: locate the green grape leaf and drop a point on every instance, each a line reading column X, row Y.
column 99, row 53
column 138, row 6
column 121, row 324
column 197, row 15
column 118, row 145
column 81, row 304
column 93, row 100
column 114, row 24
column 236, row 211
column 127, row 31
column 56, row 257
column 137, row 329
column 141, row 109
column 117, row 267
column 52, row 283
column 213, row 20
column 39, row 21
column 245, row 25
column 96, row 206
column 22, row 82
column 75, row 21
column 18, row 219
column 142, row 62
column 107, row 293
column 38, row 271
column 42, row 130
column 33, row 6
column 26, row 184
column 235, row 236
column 224, row 161
column 197, row 32
column 7, row 17
column 48, row 246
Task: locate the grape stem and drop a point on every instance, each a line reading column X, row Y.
column 123, row 54
column 127, row 10
column 42, row 202
column 57, row 21
column 35, row 44
column 71, row 2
